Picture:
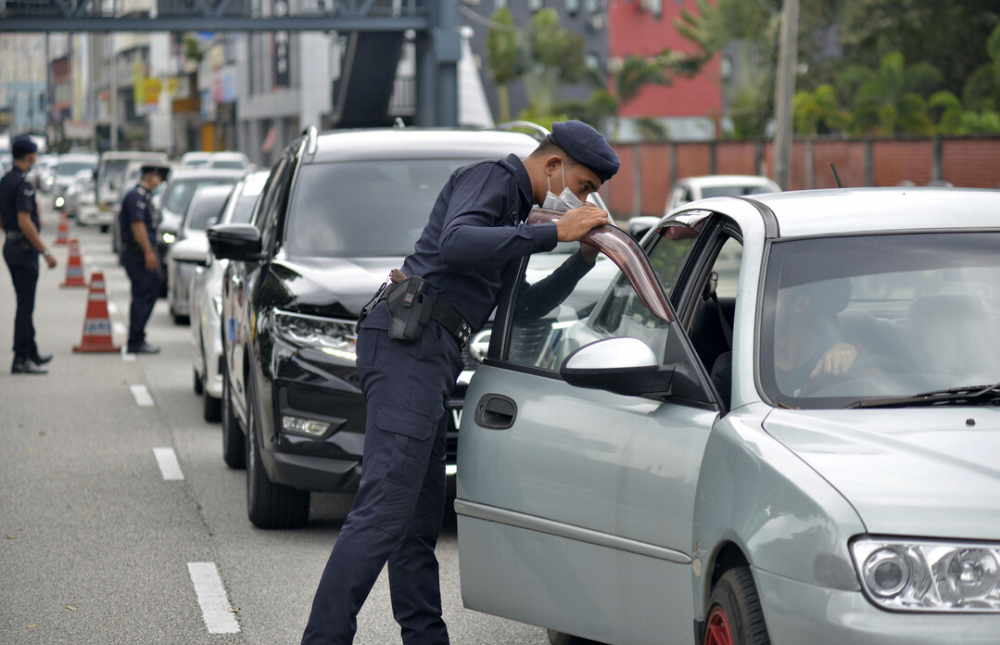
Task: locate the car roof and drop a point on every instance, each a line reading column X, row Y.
column 156, row 156
column 253, row 182
column 812, row 213
column 77, row 156
column 726, row 180
column 228, row 154
column 420, row 143
column 201, row 173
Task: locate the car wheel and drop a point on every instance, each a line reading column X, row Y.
column 269, row 505
column 234, row 444
column 199, row 387
column 735, row 616
column 211, row 407
column 105, row 228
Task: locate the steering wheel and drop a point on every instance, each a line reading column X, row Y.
column 866, row 366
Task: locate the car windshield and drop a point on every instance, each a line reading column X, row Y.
column 365, row 209
column 70, row 168
column 920, row 312
column 228, row 165
column 113, row 169
column 733, row 191
column 204, row 211
column 181, row 191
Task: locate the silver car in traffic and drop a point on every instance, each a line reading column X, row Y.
column 780, row 425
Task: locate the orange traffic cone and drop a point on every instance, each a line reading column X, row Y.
column 62, row 234
column 74, row 267
column 97, row 325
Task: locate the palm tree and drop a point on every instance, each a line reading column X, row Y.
column 505, row 57
column 891, row 100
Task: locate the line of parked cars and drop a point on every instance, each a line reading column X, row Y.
column 798, row 446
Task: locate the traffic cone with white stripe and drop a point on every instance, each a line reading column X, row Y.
column 97, row 325
column 62, row 233
column 74, row 267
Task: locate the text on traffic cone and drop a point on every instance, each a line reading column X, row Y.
column 62, row 234
column 74, row 267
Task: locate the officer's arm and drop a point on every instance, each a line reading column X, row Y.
column 475, row 230
column 141, row 237
column 536, row 300
column 30, row 232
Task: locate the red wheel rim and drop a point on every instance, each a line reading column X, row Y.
column 717, row 632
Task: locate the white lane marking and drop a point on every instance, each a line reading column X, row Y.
column 141, row 394
column 112, row 308
column 215, row 607
column 166, row 459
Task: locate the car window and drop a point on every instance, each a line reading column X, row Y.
column 203, row 212
column 733, row 191
column 365, row 208
column 921, row 312
column 228, row 165
column 181, row 191
column 277, row 196
column 554, row 314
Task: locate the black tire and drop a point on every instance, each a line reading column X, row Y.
column 199, row 387
column 269, row 505
column 234, row 443
column 105, row 228
column 211, row 407
column 734, row 611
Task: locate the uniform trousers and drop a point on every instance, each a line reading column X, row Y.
column 397, row 513
column 145, row 290
column 23, row 265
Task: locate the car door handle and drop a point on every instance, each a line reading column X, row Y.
column 496, row 412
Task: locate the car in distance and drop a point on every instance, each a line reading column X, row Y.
column 63, row 173
column 691, row 189
column 206, row 313
column 339, row 211
column 110, row 179
column 800, row 446
column 178, row 191
column 191, row 247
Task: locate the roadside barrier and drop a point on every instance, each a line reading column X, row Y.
column 62, row 234
column 74, row 267
column 97, row 324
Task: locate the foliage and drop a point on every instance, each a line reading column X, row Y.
column 891, row 100
column 818, row 112
column 506, row 58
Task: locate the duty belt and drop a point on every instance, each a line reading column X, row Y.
column 15, row 235
column 445, row 315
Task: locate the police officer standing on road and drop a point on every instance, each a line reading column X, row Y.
column 409, row 356
column 22, row 246
column 138, row 255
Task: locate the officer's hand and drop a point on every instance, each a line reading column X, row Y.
column 50, row 260
column 577, row 222
column 589, row 253
column 151, row 262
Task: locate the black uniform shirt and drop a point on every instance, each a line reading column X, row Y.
column 17, row 195
column 135, row 208
column 476, row 228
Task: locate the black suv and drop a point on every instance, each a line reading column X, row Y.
column 339, row 210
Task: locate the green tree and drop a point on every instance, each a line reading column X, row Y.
column 818, row 112
column 890, row 100
column 505, row 57
column 556, row 58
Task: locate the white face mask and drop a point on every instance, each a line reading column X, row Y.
column 563, row 202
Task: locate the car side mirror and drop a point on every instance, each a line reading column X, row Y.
column 240, row 242
column 192, row 251
column 620, row 365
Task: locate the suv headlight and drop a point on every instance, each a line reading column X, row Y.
column 914, row 575
column 329, row 335
column 166, row 237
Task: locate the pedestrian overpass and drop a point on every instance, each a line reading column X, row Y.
column 375, row 29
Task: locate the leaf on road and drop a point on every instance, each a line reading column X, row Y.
column 11, row 537
column 71, row 607
column 233, row 611
column 32, row 626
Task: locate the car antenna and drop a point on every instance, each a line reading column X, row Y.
column 836, row 176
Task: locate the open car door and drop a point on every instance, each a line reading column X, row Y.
column 581, row 444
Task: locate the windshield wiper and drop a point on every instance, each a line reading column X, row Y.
column 967, row 395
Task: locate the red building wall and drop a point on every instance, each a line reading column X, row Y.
column 632, row 29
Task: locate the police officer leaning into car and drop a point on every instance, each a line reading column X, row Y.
column 138, row 255
column 477, row 227
column 22, row 246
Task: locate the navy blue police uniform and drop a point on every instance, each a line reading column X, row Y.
column 476, row 228
column 17, row 195
column 145, row 283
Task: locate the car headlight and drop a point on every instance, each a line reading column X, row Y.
column 329, row 335
column 913, row 575
column 167, row 237
column 60, row 202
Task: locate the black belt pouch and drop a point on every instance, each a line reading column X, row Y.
column 410, row 303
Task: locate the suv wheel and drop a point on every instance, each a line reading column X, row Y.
column 211, row 407
column 199, row 387
column 269, row 505
column 234, row 444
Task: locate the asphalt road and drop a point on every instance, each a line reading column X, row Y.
column 100, row 544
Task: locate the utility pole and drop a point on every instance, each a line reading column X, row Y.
column 113, row 100
column 784, row 90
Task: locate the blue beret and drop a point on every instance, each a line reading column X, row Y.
column 21, row 146
column 587, row 146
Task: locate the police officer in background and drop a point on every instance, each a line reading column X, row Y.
column 138, row 255
column 407, row 371
column 22, row 246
